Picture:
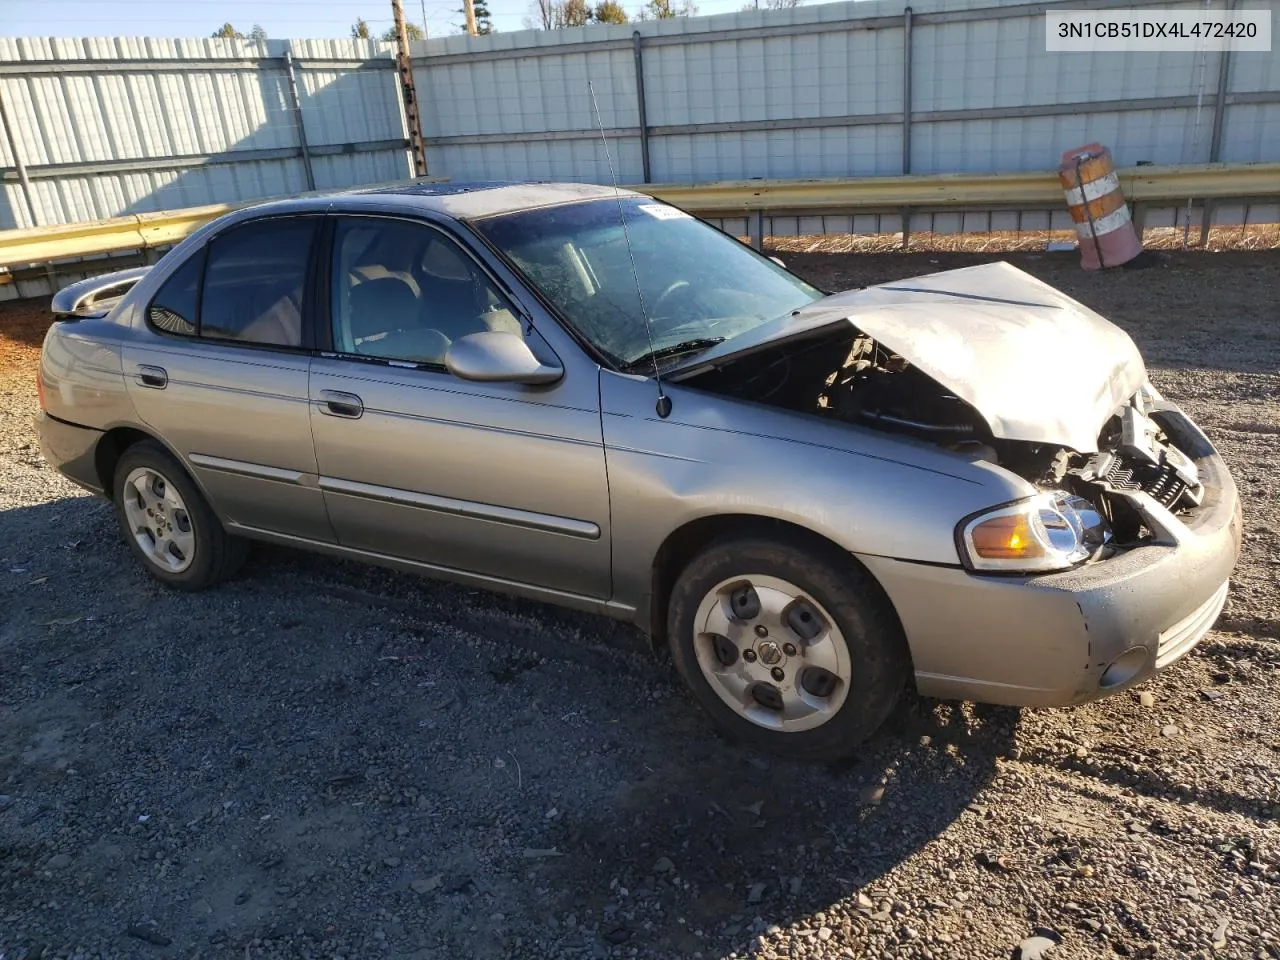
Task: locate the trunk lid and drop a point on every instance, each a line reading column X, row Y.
column 1035, row 364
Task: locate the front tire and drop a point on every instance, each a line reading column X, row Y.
column 790, row 647
column 167, row 522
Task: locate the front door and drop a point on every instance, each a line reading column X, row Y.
column 219, row 372
column 501, row 480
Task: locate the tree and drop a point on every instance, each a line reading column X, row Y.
column 546, row 11
column 258, row 32
column 228, row 32
column 609, row 11
column 360, row 30
column 575, row 13
column 411, row 29
column 554, row 14
column 666, row 9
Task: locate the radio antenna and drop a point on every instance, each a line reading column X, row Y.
column 663, row 407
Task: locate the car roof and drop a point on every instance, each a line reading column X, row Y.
column 460, row 200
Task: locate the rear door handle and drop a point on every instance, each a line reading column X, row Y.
column 335, row 403
column 149, row 376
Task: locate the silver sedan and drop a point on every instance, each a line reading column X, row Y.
column 588, row 397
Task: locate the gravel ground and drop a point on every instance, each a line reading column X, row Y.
column 325, row 760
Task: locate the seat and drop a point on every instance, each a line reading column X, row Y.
column 280, row 324
column 240, row 315
column 452, row 300
column 385, row 322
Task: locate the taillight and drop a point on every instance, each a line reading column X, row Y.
column 40, row 389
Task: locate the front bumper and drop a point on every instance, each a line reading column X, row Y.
column 1065, row 638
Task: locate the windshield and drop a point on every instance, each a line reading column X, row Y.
column 699, row 285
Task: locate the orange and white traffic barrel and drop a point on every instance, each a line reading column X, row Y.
column 1103, row 224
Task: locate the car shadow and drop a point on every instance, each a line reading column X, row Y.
column 736, row 842
column 454, row 755
column 703, row 843
column 304, row 686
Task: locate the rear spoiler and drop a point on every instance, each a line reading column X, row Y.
column 96, row 296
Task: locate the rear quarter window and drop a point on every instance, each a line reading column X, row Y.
column 173, row 308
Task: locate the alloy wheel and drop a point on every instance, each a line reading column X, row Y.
column 158, row 520
column 772, row 653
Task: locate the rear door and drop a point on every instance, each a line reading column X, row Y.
column 220, row 374
column 497, row 479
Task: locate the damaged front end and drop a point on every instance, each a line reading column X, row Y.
column 1089, row 507
column 996, row 366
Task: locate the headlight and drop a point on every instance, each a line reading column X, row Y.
column 1051, row 531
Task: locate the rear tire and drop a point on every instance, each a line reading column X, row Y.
column 167, row 522
column 790, row 647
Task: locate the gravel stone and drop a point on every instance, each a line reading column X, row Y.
column 427, row 885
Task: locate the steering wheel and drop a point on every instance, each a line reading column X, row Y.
column 662, row 297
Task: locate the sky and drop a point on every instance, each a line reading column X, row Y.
column 295, row 19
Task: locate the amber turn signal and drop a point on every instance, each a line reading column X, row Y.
column 1009, row 537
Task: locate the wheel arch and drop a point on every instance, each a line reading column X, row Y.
column 686, row 541
column 113, row 443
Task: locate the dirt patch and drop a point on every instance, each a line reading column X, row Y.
column 320, row 759
column 1258, row 237
column 22, row 328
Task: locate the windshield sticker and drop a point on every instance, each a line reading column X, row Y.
column 659, row 212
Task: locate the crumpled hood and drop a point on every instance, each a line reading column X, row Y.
column 1035, row 364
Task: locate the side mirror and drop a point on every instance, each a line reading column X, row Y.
column 495, row 356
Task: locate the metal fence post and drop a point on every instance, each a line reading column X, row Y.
column 640, row 107
column 17, row 162
column 1215, row 138
column 906, row 90
column 297, row 118
column 1220, row 102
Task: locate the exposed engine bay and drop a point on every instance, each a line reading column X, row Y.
column 851, row 377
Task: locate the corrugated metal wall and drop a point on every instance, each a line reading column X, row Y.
column 818, row 91
column 109, row 127
column 115, row 126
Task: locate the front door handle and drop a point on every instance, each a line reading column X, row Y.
column 335, row 403
column 155, row 377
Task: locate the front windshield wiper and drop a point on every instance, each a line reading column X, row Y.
column 672, row 350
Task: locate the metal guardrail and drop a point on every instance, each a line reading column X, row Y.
column 142, row 231
column 1149, row 186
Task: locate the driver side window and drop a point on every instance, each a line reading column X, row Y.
column 406, row 291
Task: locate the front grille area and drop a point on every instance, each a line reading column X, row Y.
column 1122, row 474
column 1187, row 632
column 1165, row 487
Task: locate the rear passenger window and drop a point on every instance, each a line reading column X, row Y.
column 254, row 281
column 173, row 309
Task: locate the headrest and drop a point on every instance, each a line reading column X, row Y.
column 385, row 303
column 444, row 261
